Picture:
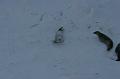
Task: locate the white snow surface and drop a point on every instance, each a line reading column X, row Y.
column 27, row 30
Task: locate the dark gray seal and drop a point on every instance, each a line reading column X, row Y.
column 105, row 39
column 117, row 51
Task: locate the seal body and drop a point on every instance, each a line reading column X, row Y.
column 117, row 51
column 59, row 36
column 105, row 39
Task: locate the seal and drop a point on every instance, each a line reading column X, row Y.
column 105, row 39
column 117, row 51
column 59, row 36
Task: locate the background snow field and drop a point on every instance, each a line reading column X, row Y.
column 27, row 31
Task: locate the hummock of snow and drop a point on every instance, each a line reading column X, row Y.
column 27, row 30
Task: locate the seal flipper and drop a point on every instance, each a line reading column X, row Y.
column 110, row 46
column 118, row 59
column 108, row 49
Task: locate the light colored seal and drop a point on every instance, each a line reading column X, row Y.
column 59, row 36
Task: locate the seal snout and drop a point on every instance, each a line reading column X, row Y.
column 96, row 32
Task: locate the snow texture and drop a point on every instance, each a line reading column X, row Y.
column 27, row 31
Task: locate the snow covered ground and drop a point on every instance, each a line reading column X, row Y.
column 27, row 29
